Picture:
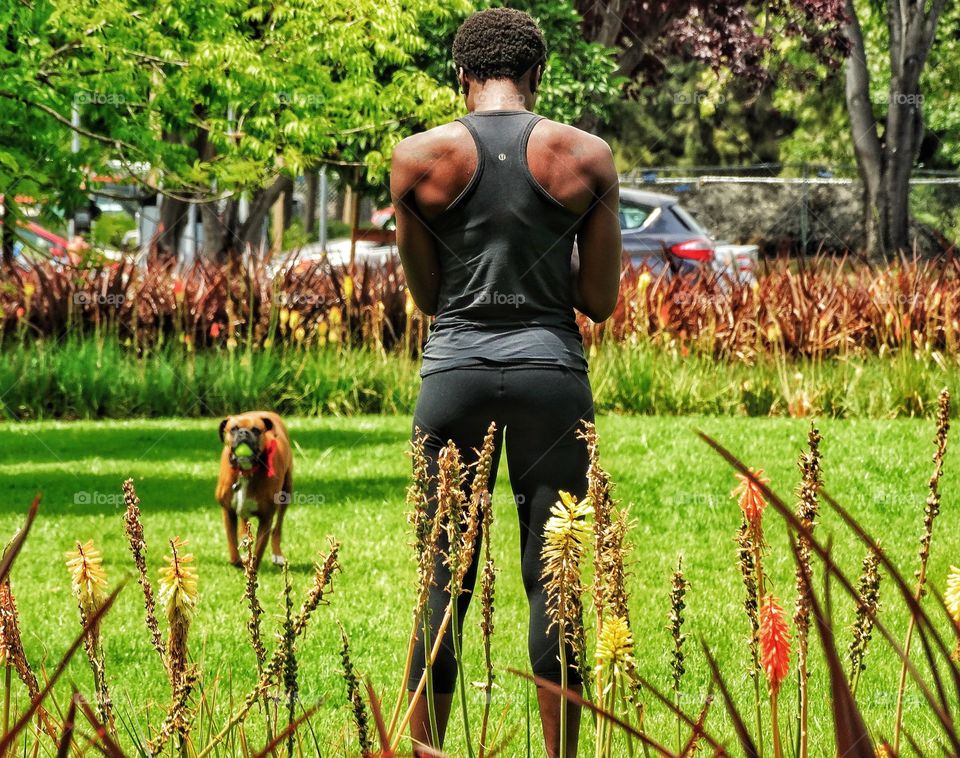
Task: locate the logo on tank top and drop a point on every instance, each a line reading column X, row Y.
column 502, row 156
column 493, row 297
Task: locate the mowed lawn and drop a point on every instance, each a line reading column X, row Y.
column 350, row 477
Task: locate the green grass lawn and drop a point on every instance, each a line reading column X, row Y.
column 351, row 474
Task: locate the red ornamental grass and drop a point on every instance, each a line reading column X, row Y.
column 751, row 497
column 774, row 642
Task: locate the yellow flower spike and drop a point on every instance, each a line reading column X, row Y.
column 408, row 304
column 299, row 334
column 567, row 526
column 952, row 595
column 28, row 290
column 294, row 319
column 347, row 288
column 87, row 577
column 178, row 582
column 615, row 648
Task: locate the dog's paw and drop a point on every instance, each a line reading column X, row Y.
column 278, row 560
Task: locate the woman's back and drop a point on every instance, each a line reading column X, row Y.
column 504, row 248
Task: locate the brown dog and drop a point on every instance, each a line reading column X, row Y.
column 256, row 479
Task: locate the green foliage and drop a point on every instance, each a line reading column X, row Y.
column 108, row 230
column 90, row 378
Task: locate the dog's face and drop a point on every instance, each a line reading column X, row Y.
column 246, row 432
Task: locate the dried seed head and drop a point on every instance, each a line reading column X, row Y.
column 745, row 559
column 355, row 696
column 678, row 591
column 932, row 506
column 807, row 510
column 133, row 527
column 868, row 606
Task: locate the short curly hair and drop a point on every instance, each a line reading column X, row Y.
column 499, row 43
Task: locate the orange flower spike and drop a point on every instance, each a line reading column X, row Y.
column 774, row 642
column 751, row 497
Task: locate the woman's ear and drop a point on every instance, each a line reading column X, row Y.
column 462, row 79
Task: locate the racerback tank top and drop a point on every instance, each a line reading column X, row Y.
column 504, row 247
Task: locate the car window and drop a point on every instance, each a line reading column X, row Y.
column 689, row 221
column 633, row 216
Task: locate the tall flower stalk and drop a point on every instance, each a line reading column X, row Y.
column 15, row 657
column 775, row 657
column 133, row 527
column 355, row 696
column 488, row 579
column 89, row 583
column 460, row 529
column 289, row 672
column 609, row 588
column 868, row 606
column 615, row 666
column 808, row 507
column 750, row 545
column 930, row 512
column 565, row 537
column 678, row 593
column 426, row 539
column 178, row 596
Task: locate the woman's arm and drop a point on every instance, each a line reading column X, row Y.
column 415, row 241
column 600, row 249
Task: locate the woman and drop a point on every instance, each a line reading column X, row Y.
column 488, row 208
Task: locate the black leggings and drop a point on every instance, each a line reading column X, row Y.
column 541, row 409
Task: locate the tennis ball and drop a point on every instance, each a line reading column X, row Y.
column 243, row 450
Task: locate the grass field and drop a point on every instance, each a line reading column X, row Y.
column 350, row 475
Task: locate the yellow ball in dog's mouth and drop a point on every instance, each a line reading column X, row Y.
column 243, row 450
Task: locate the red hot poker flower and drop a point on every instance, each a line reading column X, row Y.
column 750, row 495
column 774, row 642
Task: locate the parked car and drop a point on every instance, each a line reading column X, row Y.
column 656, row 230
column 660, row 233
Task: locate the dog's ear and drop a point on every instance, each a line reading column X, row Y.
column 223, row 428
column 267, row 423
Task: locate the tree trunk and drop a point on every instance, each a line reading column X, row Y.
column 310, row 207
column 886, row 165
column 173, row 215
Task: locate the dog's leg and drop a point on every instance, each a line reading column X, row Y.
column 263, row 535
column 230, row 524
column 286, row 496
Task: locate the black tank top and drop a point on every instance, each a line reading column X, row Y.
column 504, row 247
